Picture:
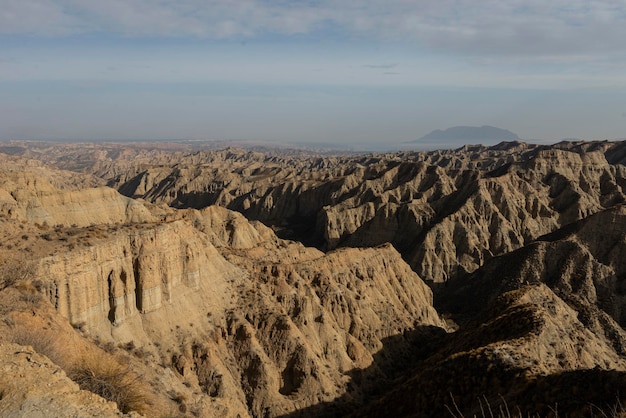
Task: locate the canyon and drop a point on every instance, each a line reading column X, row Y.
column 287, row 283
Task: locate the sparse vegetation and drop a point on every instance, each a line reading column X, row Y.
column 43, row 342
column 92, row 369
column 106, row 377
column 29, row 294
column 14, row 270
column 503, row 410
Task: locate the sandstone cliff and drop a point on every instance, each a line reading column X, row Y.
column 29, row 195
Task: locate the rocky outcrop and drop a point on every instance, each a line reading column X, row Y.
column 307, row 323
column 229, row 229
column 281, row 341
column 447, row 212
column 523, row 246
column 526, row 351
column 548, row 315
column 133, row 271
column 29, row 196
column 581, row 263
column 254, row 323
column 515, row 205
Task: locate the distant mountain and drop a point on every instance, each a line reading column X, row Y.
column 470, row 134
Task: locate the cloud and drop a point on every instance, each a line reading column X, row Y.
column 485, row 27
column 41, row 17
column 513, row 38
column 211, row 19
column 381, row 66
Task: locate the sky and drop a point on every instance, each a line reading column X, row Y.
column 321, row 71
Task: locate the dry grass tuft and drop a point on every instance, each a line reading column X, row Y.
column 14, row 270
column 105, row 376
column 43, row 342
column 92, row 369
column 503, row 411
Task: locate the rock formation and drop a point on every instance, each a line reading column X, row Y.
column 445, row 211
column 240, row 283
column 255, row 323
column 543, row 327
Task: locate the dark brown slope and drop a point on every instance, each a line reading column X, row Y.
column 583, row 263
column 540, row 330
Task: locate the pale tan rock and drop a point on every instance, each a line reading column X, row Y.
column 223, row 318
column 28, row 196
column 446, row 211
column 137, row 271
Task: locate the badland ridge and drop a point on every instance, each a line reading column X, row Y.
column 288, row 283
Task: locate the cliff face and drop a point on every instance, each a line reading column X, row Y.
column 28, row 195
column 289, row 330
column 252, row 322
column 133, row 271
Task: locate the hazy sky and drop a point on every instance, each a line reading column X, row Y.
column 331, row 71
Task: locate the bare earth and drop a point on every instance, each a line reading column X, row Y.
column 275, row 283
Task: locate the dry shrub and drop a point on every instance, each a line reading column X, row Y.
column 28, row 292
column 92, row 369
column 503, row 411
column 14, row 270
column 105, row 376
column 43, row 342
